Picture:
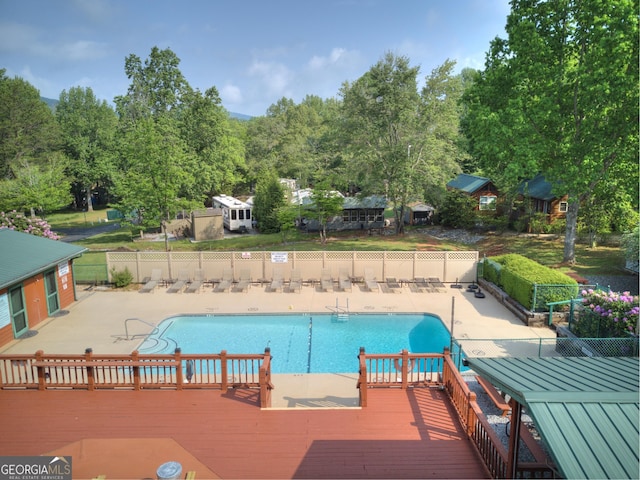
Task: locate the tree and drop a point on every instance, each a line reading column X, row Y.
column 216, row 142
column 268, row 198
column 326, row 204
column 157, row 86
column 403, row 143
column 381, row 113
column 37, row 188
column 150, row 185
column 287, row 216
column 457, row 210
column 157, row 171
column 28, row 130
column 440, row 144
column 560, row 96
column 88, row 130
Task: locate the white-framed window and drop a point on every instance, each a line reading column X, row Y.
column 563, row 207
column 487, row 202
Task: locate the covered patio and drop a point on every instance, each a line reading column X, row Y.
column 586, row 410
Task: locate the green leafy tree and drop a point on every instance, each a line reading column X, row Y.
column 287, row 216
column 157, row 170
column 39, row 189
column 457, row 210
column 268, row 198
column 217, row 143
column 381, row 114
column 403, row 143
column 151, row 183
column 88, row 130
column 157, row 86
column 560, row 96
column 28, row 130
column 326, row 205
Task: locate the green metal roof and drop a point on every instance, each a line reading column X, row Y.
column 468, row 183
column 586, row 409
column 537, row 187
column 374, row 201
column 23, row 255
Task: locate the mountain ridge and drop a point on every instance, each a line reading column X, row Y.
column 51, row 102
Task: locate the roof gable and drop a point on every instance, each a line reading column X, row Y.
column 586, row 409
column 537, row 187
column 23, row 255
column 468, row 183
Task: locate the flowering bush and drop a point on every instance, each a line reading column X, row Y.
column 618, row 313
column 21, row 223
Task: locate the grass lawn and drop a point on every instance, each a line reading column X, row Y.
column 602, row 260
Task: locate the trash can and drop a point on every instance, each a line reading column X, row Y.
column 169, row 471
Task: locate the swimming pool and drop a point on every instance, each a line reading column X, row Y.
column 309, row 343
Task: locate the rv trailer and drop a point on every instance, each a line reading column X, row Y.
column 236, row 215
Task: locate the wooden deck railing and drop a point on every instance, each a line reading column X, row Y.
column 196, row 371
column 179, row 371
column 439, row 370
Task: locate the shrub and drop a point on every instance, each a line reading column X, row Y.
column 523, row 279
column 457, row 210
column 618, row 313
column 121, row 278
column 32, row 225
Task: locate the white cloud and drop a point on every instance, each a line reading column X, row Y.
column 17, row 38
column 28, row 41
column 275, row 76
column 96, row 10
column 231, row 94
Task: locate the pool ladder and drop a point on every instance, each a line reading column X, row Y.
column 342, row 313
column 126, row 328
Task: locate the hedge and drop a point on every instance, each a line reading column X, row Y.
column 528, row 282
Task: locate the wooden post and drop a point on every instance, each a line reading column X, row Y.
column 470, row 414
column 405, row 368
column 136, row 371
column 41, row 372
column 88, row 356
column 223, row 369
column 514, row 439
column 177, row 356
column 362, row 379
column 265, row 380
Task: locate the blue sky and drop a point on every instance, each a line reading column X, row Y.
column 253, row 51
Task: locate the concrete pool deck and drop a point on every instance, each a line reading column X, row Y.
column 97, row 321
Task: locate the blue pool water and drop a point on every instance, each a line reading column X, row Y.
column 317, row 343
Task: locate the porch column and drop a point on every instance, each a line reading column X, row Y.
column 514, row 439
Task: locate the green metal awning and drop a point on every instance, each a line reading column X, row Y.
column 586, row 409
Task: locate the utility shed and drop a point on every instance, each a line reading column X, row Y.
column 36, row 280
column 586, row 409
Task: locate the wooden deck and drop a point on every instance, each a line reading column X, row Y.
column 410, row 433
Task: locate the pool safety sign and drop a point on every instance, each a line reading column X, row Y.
column 35, row 468
column 279, row 257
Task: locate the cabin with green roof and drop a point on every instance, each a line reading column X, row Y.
column 538, row 193
column 36, row 281
column 480, row 188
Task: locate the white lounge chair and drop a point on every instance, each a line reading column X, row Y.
column 370, row 282
column 183, row 279
column 326, row 280
column 225, row 283
column 150, row 286
column 197, row 283
column 276, row 281
column 244, row 282
column 295, row 284
column 344, row 281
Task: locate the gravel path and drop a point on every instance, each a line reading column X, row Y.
column 617, row 283
column 499, row 423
